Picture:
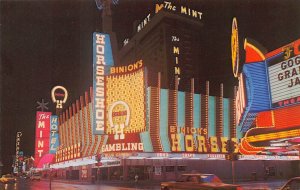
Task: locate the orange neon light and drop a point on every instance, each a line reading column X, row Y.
column 253, row 54
column 246, row 148
column 274, row 136
column 281, row 118
column 265, row 119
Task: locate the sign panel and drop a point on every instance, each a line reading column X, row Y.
column 102, row 59
column 285, row 82
column 42, row 135
column 126, row 108
column 54, row 140
column 284, row 71
column 18, row 140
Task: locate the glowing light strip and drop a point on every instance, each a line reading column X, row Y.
column 71, row 124
column 86, row 132
column 66, row 130
column 78, row 119
column 91, row 136
column 76, row 127
column 84, row 139
column 272, row 136
column 61, row 131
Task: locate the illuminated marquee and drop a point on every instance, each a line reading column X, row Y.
column 285, row 75
column 102, row 59
column 125, row 102
column 54, row 140
column 42, row 135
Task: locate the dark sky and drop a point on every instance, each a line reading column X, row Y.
column 47, row 43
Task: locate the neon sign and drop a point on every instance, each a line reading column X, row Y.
column 59, row 95
column 200, row 144
column 68, row 153
column 182, row 10
column 235, row 48
column 102, row 59
column 285, row 75
column 54, row 141
column 18, row 140
column 126, row 111
column 176, row 53
column 169, row 6
column 42, row 134
column 128, row 68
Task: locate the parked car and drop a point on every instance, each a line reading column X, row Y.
column 8, row 178
column 36, row 176
column 292, row 184
column 199, row 181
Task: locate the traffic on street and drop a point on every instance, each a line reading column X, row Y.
column 44, row 184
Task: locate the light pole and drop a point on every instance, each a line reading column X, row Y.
column 50, row 178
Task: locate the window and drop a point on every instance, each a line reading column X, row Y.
column 181, row 168
column 170, row 168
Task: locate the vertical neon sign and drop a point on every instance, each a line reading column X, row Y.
column 102, row 60
column 42, row 135
column 54, row 140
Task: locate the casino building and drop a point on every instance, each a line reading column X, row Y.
column 135, row 119
column 155, row 132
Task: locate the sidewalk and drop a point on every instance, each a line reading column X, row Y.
column 108, row 182
column 68, row 181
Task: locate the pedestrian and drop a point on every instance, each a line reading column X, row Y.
column 267, row 173
column 136, row 178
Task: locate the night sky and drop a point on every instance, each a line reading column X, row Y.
column 48, row 43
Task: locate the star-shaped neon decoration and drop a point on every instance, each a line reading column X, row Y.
column 42, row 105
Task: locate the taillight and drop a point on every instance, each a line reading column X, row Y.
column 239, row 188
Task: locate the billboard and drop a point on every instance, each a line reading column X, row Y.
column 284, row 75
column 42, row 135
column 126, row 108
column 102, row 60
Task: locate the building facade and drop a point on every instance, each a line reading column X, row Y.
column 169, row 42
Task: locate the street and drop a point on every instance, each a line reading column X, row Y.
column 61, row 185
